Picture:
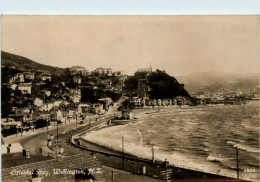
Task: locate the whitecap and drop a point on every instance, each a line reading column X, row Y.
column 214, row 158
column 191, row 123
column 243, row 147
column 247, row 148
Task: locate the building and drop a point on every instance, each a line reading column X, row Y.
column 25, row 88
column 97, row 108
column 45, row 77
column 83, row 109
column 122, row 79
column 75, row 95
column 143, row 88
column 104, row 71
column 38, row 102
column 29, row 75
column 118, row 73
column 18, row 78
column 145, row 70
column 78, row 70
column 77, row 80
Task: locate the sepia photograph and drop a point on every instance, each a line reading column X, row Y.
column 129, row 98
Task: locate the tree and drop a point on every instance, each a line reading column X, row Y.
column 88, row 95
column 5, row 101
column 161, row 84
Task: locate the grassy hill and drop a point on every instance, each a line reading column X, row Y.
column 22, row 63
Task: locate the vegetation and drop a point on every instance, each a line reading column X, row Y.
column 19, row 62
column 162, row 85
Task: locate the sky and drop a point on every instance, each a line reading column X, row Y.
column 178, row 44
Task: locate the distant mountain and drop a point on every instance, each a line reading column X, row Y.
column 211, row 82
column 22, row 63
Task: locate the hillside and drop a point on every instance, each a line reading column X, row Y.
column 22, row 63
column 211, row 82
column 161, row 84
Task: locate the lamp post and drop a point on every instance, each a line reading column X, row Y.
column 57, row 128
column 89, row 122
column 113, row 175
column 166, row 165
column 123, row 162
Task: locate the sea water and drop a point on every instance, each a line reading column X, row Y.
column 200, row 138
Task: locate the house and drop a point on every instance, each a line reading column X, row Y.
column 104, row 71
column 97, row 108
column 77, row 79
column 78, row 70
column 75, row 95
column 83, row 108
column 38, row 102
column 18, row 78
column 118, row 73
column 107, row 82
column 143, row 88
column 75, row 98
column 29, row 75
column 7, row 120
column 122, row 79
column 21, row 110
column 13, row 86
column 25, row 88
column 45, row 77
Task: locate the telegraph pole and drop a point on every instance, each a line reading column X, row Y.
column 57, row 132
column 76, row 119
column 166, row 163
column 113, row 176
column 237, row 163
column 153, row 154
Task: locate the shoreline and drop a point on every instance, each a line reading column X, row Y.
column 142, row 112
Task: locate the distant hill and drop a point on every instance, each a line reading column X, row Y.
column 22, row 63
column 211, row 82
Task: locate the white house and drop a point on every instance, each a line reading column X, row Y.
column 25, row 88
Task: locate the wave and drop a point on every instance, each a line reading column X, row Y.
column 191, row 123
column 243, row 147
column 255, row 128
column 214, row 158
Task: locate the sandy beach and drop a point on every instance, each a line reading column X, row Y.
column 136, row 144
